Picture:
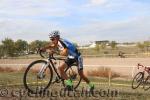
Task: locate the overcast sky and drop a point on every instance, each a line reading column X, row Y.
column 78, row 20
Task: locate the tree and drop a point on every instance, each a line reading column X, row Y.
column 113, row 44
column 34, row 45
column 8, row 47
column 140, row 46
column 97, row 47
column 146, row 45
column 103, row 45
column 44, row 43
column 1, row 51
column 21, row 46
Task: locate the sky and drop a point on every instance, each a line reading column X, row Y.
column 79, row 21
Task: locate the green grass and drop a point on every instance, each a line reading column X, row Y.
column 17, row 77
column 124, row 92
column 10, row 78
column 117, row 81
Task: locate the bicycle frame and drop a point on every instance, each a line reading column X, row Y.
column 54, row 68
column 51, row 63
column 147, row 69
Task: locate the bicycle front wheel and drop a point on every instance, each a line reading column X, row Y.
column 137, row 80
column 33, row 80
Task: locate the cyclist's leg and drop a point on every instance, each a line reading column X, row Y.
column 61, row 69
column 68, row 62
column 67, row 81
column 81, row 73
column 80, row 70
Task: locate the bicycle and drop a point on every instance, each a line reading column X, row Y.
column 39, row 74
column 141, row 79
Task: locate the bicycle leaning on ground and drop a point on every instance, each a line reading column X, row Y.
column 39, row 74
column 141, row 78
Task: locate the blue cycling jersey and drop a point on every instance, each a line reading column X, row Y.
column 72, row 50
column 72, row 53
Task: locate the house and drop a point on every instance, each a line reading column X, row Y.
column 93, row 44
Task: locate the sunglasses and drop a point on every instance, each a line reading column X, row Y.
column 52, row 39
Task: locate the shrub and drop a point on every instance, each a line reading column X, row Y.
column 7, row 69
column 101, row 72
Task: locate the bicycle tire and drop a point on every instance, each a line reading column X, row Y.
column 146, row 82
column 77, row 83
column 26, row 73
column 139, row 75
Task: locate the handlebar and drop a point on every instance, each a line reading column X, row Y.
column 145, row 68
column 40, row 52
column 51, row 56
column 140, row 65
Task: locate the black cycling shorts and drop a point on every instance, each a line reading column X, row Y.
column 71, row 61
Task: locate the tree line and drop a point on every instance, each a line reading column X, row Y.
column 145, row 46
column 11, row 48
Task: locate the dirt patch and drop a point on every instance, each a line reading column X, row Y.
column 101, row 72
column 125, row 66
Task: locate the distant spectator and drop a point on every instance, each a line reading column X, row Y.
column 121, row 54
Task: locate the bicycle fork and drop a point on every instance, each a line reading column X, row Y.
column 41, row 73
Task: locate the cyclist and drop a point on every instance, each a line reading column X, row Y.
column 68, row 49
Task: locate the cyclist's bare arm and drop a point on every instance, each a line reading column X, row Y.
column 64, row 52
column 50, row 46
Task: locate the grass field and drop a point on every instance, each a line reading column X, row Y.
column 12, row 81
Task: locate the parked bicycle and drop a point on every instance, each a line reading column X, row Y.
column 141, row 78
column 39, row 74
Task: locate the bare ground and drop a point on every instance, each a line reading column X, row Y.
column 120, row 65
column 124, row 66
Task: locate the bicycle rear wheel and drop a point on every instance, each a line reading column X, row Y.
column 35, row 83
column 73, row 75
column 137, row 80
column 147, row 83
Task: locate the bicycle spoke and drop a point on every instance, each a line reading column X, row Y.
column 35, row 78
column 137, row 80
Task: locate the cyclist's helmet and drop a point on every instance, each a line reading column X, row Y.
column 54, row 34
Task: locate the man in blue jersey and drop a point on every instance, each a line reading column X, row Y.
column 68, row 49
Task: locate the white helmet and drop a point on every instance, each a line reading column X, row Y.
column 54, row 34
